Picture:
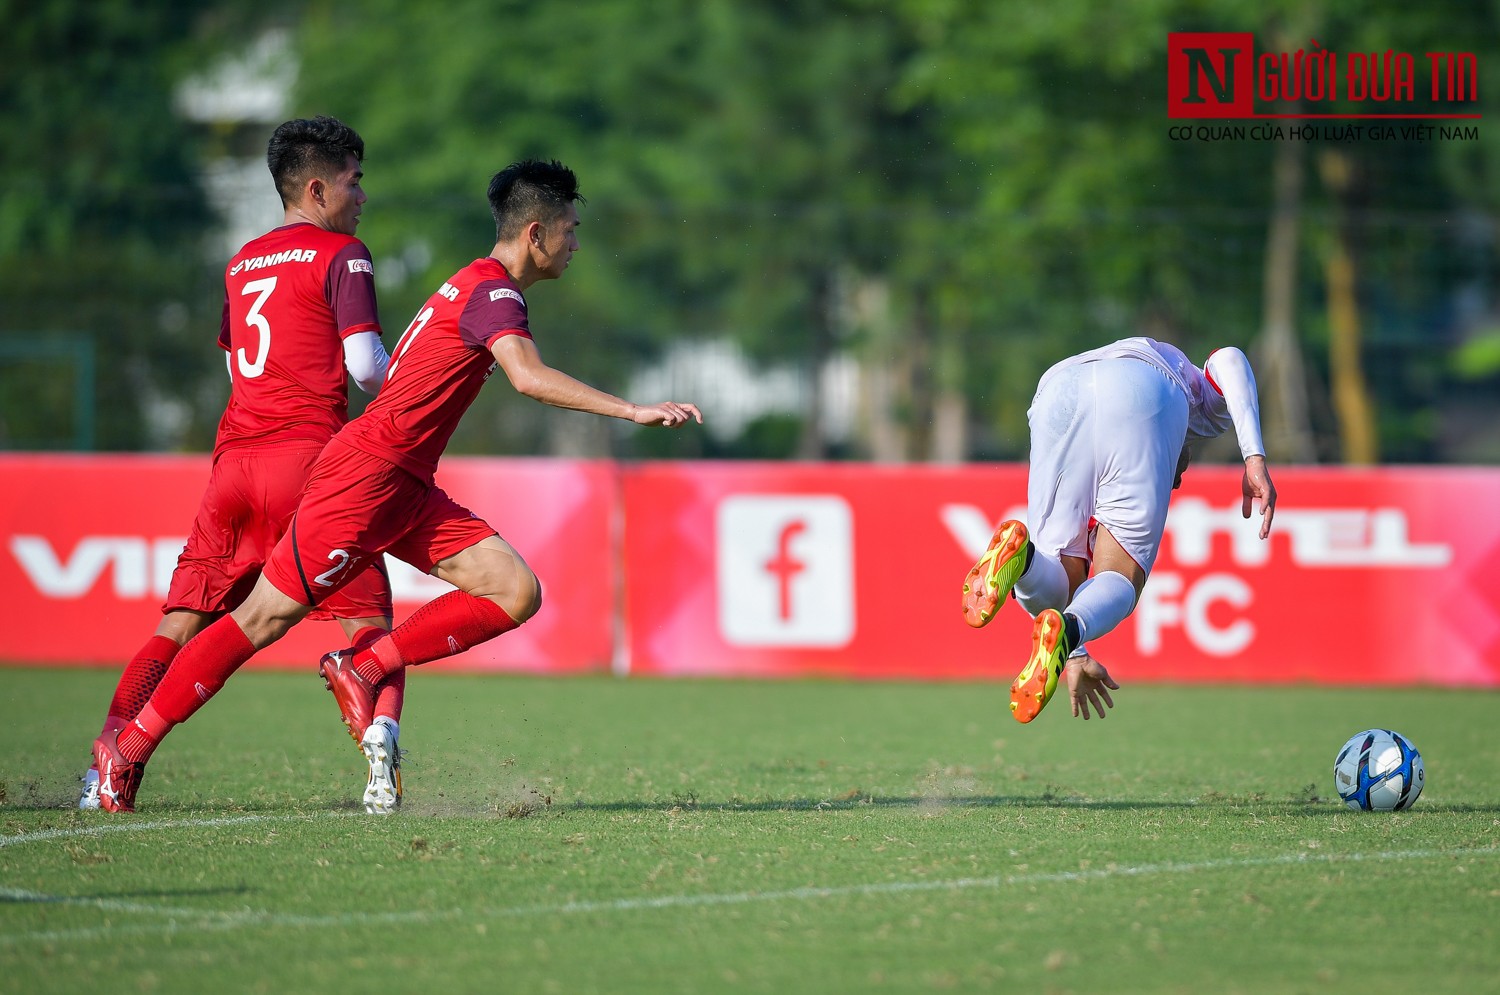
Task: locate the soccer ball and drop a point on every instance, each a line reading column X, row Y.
column 1379, row 770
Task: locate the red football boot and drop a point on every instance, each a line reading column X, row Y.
column 355, row 695
column 119, row 779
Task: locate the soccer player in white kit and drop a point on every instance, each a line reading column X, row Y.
column 1111, row 434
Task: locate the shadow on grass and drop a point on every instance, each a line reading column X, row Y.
column 1307, row 807
column 692, row 803
column 531, row 803
column 1329, row 807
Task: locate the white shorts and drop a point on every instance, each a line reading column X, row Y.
column 1105, row 437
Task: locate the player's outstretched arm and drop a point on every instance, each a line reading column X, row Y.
column 1256, row 487
column 529, row 375
column 1229, row 371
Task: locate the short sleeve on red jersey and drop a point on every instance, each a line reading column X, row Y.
column 351, row 291
column 494, row 309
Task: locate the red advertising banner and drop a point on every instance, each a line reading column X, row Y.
column 90, row 543
column 1377, row 576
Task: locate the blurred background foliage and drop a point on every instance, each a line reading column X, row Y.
column 847, row 229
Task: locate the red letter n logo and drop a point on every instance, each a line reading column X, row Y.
column 1209, row 75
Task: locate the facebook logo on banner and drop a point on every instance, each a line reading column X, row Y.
column 785, row 570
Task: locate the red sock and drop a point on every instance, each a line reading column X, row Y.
column 390, row 696
column 444, row 626
column 196, row 675
column 366, row 636
column 201, row 669
column 143, row 734
column 142, row 674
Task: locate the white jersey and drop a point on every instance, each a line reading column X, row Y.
column 1220, row 396
column 1107, row 428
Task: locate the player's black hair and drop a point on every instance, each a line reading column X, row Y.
column 530, row 190
column 308, row 147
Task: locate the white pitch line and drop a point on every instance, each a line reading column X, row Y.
column 131, row 826
column 208, row 921
column 19, row 896
column 959, row 884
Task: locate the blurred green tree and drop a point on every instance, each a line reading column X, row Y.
column 101, row 218
column 951, row 194
column 746, row 167
column 1325, row 258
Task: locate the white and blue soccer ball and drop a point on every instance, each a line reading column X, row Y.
column 1379, row 770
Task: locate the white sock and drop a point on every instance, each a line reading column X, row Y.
column 1102, row 602
column 1044, row 584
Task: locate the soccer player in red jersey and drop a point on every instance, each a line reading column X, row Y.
column 372, row 489
column 299, row 311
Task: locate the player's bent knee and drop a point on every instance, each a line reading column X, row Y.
column 267, row 614
column 525, row 600
column 512, row 586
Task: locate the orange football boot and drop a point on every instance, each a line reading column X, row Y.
column 996, row 573
column 1034, row 685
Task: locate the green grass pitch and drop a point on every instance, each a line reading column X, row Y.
column 600, row 835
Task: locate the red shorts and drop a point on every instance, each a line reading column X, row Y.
column 246, row 506
column 356, row 507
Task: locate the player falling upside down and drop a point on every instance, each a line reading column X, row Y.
column 1112, row 432
column 372, row 489
column 299, row 310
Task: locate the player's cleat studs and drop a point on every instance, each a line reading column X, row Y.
column 88, row 793
column 383, row 789
column 1037, row 681
column 997, row 571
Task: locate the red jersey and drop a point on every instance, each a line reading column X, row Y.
column 437, row 368
column 291, row 298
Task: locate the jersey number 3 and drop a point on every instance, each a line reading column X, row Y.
column 262, row 289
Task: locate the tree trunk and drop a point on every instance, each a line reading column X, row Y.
column 1283, row 381
column 1352, row 404
column 878, row 410
column 887, row 372
column 920, row 378
column 948, row 431
column 950, row 427
column 812, row 444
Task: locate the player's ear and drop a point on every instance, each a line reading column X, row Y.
column 536, row 234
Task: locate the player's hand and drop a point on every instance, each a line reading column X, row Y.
column 668, row 414
column 1088, row 684
column 1257, row 486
